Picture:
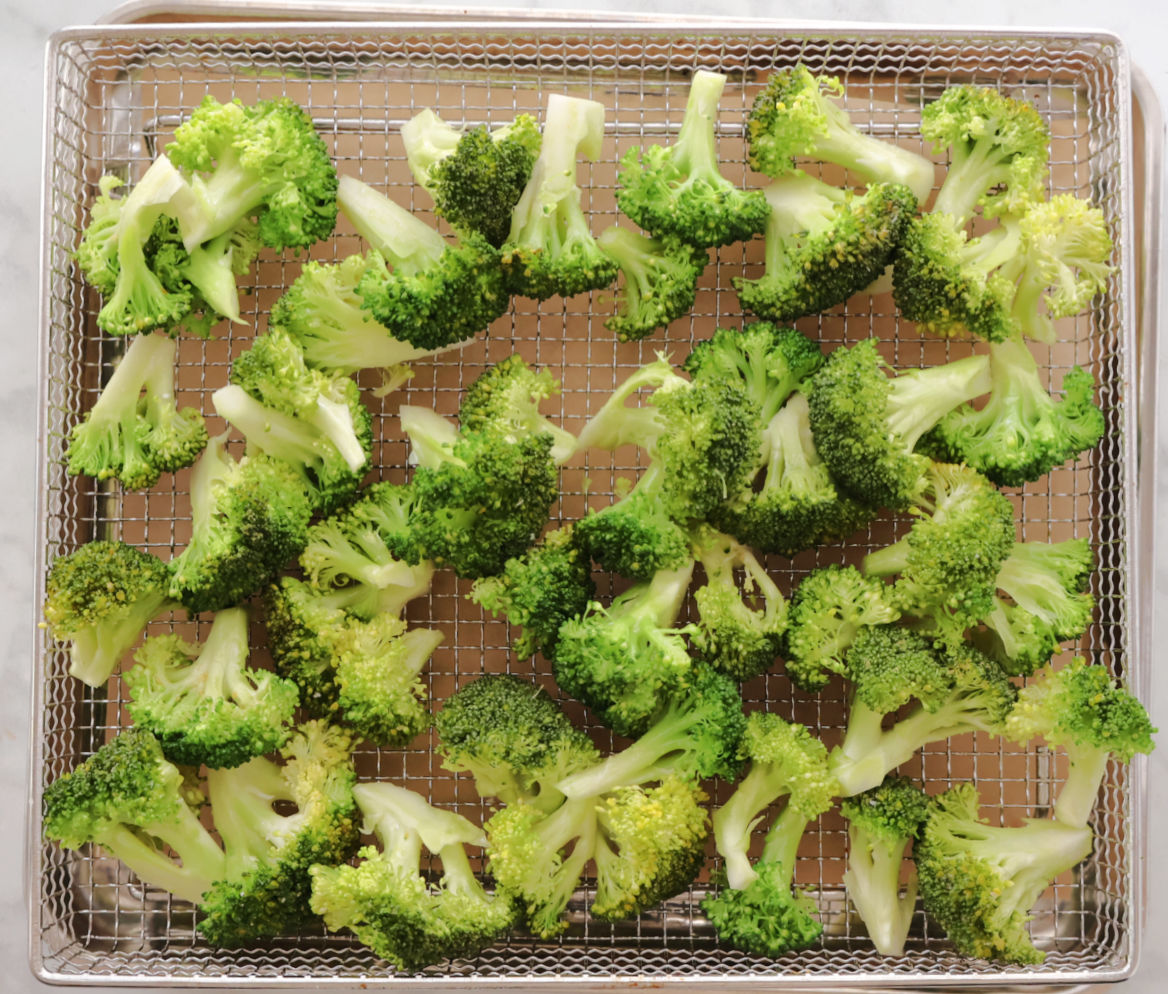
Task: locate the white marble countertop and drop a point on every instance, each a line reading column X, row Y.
column 1142, row 25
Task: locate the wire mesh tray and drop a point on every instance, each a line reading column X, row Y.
column 115, row 94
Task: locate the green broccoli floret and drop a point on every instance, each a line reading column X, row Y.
column 796, row 504
column 997, row 151
column 135, row 430
column 203, row 703
column 475, row 176
column 277, row 821
column 539, row 591
column 1081, row 708
column 550, row 250
column 660, row 281
column 866, row 424
column 756, row 909
column 512, row 738
column 958, row 690
column 387, row 901
column 882, row 823
column 130, row 800
column 741, row 624
column 265, row 160
column 979, row 881
column 634, row 537
column 100, row 598
column 624, row 660
column 823, row 244
column 794, row 116
column 946, row 566
column 248, row 519
column 679, row 191
column 1021, row 432
column 1043, row 600
column 828, row 608
column 426, row 291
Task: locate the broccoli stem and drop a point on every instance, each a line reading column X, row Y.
column 973, row 169
column 872, row 879
column 209, row 270
column 888, row 561
column 1076, row 798
column 222, row 660
column 617, row 424
column 792, row 459
column 432, row 437
column 202, row 860
column 919, row 398
column 242, row 799
column 734, row 821
column 95, row 650
column 695, row 152
column 781, row 844
column 407, row 242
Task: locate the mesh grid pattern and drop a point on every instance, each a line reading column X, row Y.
column 119, row 95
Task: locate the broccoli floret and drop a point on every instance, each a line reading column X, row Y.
column 427, row 292
column 634, row 537
column 208, row 271
column 276, row 822
column 475, row 176
column 946, row 566
column 660, row 281
column 550, row 249
column 135, row 430
column 203, row 703
column 1081, row 708
column 997, row 151
column 796, row 505
column 958, row 690
column 882, row 823
column 678, row 190
column 828, row 608
column 823, row 244
column 626, row 659
column 130, row 800
column 794, row 116
column 540, row 590
column 1043, row 600
column 248, row 519
column 979, row 881
column 756, row 909
column 387, row 901
column 741, row 624
column 866, row 424
column 100, row 598
column 512, row 738
column 1021, row 432
column 264, row 160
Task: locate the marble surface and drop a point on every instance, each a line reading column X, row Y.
column 1141, row 24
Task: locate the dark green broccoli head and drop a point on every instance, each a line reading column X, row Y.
column 633, row 537
column 889, row 665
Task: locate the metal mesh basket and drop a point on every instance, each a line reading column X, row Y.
column 115, row 96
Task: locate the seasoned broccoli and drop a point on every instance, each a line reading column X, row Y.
column 100, row 599
column 660, row 281
column 386, row 900
column 823, row 244
column 135, row 430
column 794, row 117
column 203, row 703
column 866, row 424
column 678, row 190
column 882, row 823
column 475, row 176
column 756, row 909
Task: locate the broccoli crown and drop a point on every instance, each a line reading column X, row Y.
column 540, row 590
column 634, row 537
column 679, row 191
column 135, row 430
column 997, row 150
column 740, row 625
column 979, row 881
column 512, row 737
column 946, row 567
column 299, row 621
column 264, row 160
column 100, row 598
column 660, row 281
column 794, row 116
column 889, row 665
column 823, row 245
column 766, row 917
column 866, row 424
column 248, row 519
column 893, row 812
column 828, row 609
column 1021, row 432
column 268, row 886
column 388, row 903
column 129, row 799
column 203, row 703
